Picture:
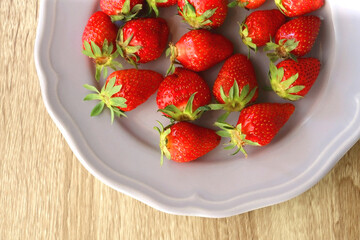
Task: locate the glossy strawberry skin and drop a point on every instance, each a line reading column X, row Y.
column 199, row 50
column 302, row 29
column 114, row 7
column 167, row 4
column 308, row 70
column 137, row 86
column 177, row 88
column 238, row 67
column 187, row 142
column 202, row 6
column 263, row 24
column 150, row 33
column 98, row 28
column 294, row 8
column 261, row 122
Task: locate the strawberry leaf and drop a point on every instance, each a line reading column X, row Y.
column 127, row 13
column 187, row 114
column 190, row 16
column 92, row 96
column 97, row 109
column 282, row 88
column 235, row 100
column 91, row 88
column 118, row 101
column 233, row 4
column 106, row 99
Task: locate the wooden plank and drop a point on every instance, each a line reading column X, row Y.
column 45, row 193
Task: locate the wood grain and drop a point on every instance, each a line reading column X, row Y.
column 45, row 193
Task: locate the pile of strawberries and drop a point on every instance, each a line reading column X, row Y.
column 183, row 95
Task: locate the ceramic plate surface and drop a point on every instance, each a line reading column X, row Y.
column 126, row 157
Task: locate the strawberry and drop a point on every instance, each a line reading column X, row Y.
column 203, row 14
column 236, row 84
column 143, row 40
column 199, row 50
column 124, row 90
column 248, row 4
column 257, row 125
column 294, row 38
column 260, row 26
column 183, row 96
column 154, row 4
column 294, row 8
column 292, row 80
column 121, row 9
column 98, row 43
column 185, row 142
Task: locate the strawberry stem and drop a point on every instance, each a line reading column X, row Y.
column 244, row 33
column 282, row 50
column 172, row 51
column 164, row 132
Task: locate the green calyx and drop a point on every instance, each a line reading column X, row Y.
column 282, row 88
column 164, row 132
column 106, row 99
column 153, row 5
column 238, row 3
column 126, row 51
column 281, row 7
column 237, row 138
column 172, row 51
column 235, row 101
column 190, row 16
column 126, row 13
column 244, row 34
column 103, row 58
column 187, row 114
column 281, row 50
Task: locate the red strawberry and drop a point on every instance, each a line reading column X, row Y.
column 295, row 38
column 121, row 9
column 183, row 96
column 236, row 84
column 154, row 4
column 199, row 50
column 185, row 142
column 294, row 8
column 99, row 41
column 248, row 4
column 292, row 80
column 143, row 40
column 257, row 125
column 260, row 26
column 203, row 14
column 124, row 90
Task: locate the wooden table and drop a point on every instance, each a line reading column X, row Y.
column 45, row 193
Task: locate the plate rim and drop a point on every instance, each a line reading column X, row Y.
column 44, row 68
